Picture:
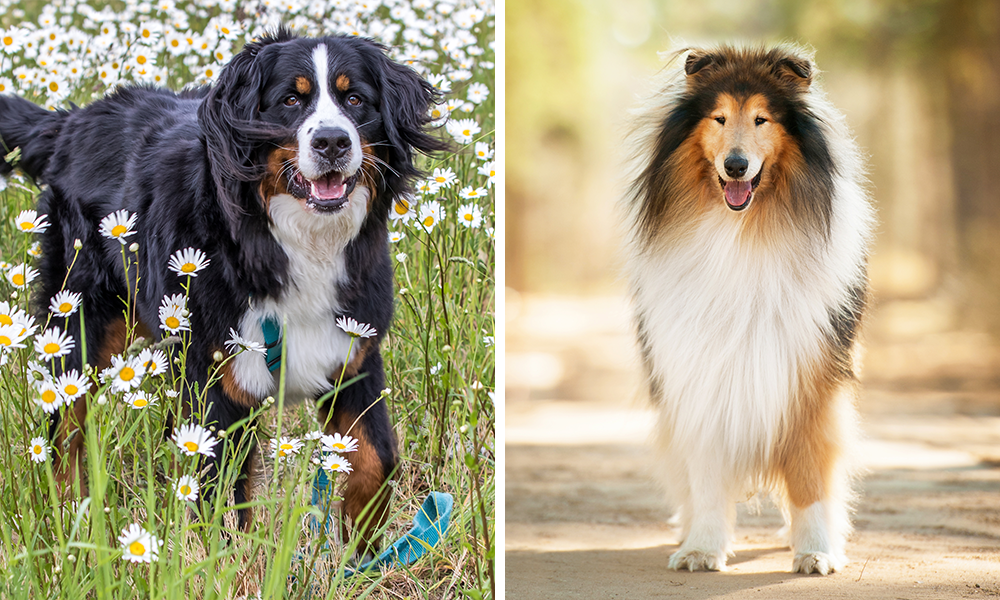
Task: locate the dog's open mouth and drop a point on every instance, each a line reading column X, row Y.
column 327, row 193
column 739, row 193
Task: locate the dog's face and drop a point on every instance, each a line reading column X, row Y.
column 325, row 97
column 740, row 137
column 314, row 119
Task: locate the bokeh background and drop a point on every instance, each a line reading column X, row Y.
column 919, row 82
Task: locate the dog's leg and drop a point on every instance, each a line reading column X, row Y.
column 707, row 516
column 66, row 433
column 816, row 481
column 359, row 412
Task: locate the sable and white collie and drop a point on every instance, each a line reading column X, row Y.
column 283, row 172
column 749, row 228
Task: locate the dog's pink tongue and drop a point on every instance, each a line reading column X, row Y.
column 737, row 193
column 329, row 187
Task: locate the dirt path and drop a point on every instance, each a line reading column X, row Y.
column 584, row 520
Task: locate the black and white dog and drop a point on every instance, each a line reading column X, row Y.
column 283, row 173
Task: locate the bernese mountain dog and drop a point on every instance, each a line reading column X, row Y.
column 283, row 172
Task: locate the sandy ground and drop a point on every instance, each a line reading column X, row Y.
column 585, row 520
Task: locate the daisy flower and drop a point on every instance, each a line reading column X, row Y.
column 472, row 193
column 125, row 374
column 402, row 209
column 188, row 262
column 483, row 151
column 444, row 177
column 336, row 463
column 39, row 449
column 355, row 329
column 186, row 488
column 11, row 40
column 194, row 439
column 396, row 236
column 118, row 225
column 285, row 447
column 72, row 384
column 173, row 320
column 49, row 398
column 138, row 545
column 53, row 343
column 312, row 436
column 237, row 343
column 490, row 172
column 139, row 399
column 428, row 186
column 462, row 130
column 478, row 92
column 470, row 215
column 178, row 300
column 21, row 275
column 11, row 336
column 30, row 221
column 430, row 213
column 153, row 361
column 65, row 303
column 339, row 443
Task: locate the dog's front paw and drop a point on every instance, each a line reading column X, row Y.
column 816, row 562
column 694, row 559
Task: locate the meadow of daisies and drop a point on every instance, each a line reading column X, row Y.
column 142, row 527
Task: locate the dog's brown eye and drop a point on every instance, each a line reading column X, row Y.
column 291, row 101
column 720, row 120
column 759, row 121
column 354, row 100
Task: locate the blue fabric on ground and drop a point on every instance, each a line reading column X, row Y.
column 429, row 525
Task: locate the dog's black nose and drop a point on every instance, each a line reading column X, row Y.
column 331, row 142
column 736, row 165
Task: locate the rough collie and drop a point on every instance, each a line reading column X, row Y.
column 283, row 173
column 749, row 227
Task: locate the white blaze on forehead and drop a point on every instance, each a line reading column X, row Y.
column 325, row 113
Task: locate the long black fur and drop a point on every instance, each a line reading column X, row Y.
column 190, row 165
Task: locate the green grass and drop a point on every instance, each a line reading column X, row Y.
column 439, row 368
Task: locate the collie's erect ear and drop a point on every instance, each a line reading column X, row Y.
column 795, row 70
column 227, row 118
column 697, row 60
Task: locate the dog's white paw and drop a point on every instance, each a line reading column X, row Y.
column 816, row 562
column 694, row 559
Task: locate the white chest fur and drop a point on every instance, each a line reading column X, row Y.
column 315, row 348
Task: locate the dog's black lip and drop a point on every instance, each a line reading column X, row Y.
column 753, row 187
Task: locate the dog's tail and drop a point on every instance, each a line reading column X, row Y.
column 27, row 135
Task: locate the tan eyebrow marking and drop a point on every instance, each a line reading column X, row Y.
column 343, row 82
column 302, row 85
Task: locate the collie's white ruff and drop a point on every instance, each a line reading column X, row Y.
column 731, row 323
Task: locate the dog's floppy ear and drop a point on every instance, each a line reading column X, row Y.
column 227, row 117
column 794, row 70
column 405, row 107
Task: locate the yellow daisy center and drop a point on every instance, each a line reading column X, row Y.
column 27, row 226
column 6, row 320
column 140, row 402
column 4, row 340
column 7, row 40
column 493, row 173
column 141, row 59
column 71, row 389
column 36, row 449
column 466, row 132
column 173, row 322
column 18, row 279
column 51, row 348
column 150, row 366
column 338, row 446
column 175, row 43
column 188, row 268
column 137, row 548
column 440, row 179
column 54, row 86
column 185, row 489
column 191, row 446
column 468, row 216
column 48, row 396
column 65, row 307
column 428, row 221
column 117, row 230
column 126, row 374
column 286, row 446
column 209, row 73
